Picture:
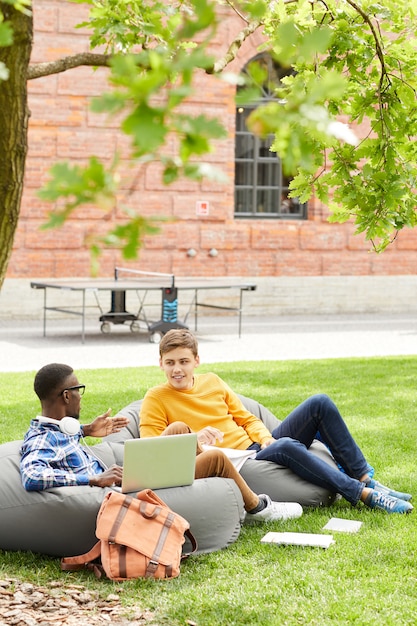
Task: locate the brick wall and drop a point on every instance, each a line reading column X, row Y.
column 63, row 128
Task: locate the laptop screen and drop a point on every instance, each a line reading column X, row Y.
column 159, row 462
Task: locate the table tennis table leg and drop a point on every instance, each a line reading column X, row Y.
column 197, row 304
column 240, row 312
column 44, row 312
column 83, row 320
column 195, row 309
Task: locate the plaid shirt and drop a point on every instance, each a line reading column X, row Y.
column 52, row 459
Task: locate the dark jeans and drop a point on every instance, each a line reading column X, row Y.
column 318, row 414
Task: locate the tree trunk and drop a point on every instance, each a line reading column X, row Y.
column 14, row 115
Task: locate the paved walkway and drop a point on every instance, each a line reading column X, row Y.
column 23, row 347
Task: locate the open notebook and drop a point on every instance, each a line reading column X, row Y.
column 159, row 462
column 237, row 457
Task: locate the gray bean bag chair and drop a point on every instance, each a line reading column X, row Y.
column 279, row 482
column 61, row 521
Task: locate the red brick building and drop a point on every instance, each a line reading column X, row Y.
column 62, row 127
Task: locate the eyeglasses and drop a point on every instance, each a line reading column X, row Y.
column 81, row 389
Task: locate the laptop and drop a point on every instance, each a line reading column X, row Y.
column 159, row 462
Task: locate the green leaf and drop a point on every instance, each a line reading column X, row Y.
column 203, row 16
column 77, row 186
column 6, row 33
column 129, row 236
column 146, row 125
column 314, row 42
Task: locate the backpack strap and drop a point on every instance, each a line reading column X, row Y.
column 154, row 560
column 193, row 542
column 84, row 561
column 124, row 506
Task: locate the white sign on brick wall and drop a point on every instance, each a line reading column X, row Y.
column 202, row 208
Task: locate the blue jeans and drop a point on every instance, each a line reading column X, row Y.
column 318, row 414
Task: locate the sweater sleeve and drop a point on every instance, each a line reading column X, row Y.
column 254, row 427
column 153, row 419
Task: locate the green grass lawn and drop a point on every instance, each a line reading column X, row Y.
column 364, row 578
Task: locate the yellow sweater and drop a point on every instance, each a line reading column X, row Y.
column 210, row 402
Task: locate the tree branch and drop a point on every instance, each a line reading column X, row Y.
column 237, row 42
column 378, row 48
column 38, row 70
column 234, row 47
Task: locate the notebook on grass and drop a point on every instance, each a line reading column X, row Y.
column 159, row 462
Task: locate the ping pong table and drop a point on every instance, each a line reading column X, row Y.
column 142, row 283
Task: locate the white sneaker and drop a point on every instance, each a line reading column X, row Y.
column 276, row 511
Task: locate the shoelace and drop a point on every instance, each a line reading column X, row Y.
column 385, row 500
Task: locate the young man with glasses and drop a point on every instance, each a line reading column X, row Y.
column 52, row 455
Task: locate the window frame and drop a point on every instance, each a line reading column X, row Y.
column 261, row 199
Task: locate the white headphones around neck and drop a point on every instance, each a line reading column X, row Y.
column 67, row 425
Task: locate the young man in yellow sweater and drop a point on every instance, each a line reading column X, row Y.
column 207, row 406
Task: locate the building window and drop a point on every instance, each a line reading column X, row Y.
column 261, row 189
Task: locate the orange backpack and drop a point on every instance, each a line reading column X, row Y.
column 139, row 537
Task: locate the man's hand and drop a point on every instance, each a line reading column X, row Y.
column 112, row 476
column 209, row 435
column 267, row 443
column 105, row 425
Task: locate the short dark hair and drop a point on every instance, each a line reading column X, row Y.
column 50, row 379
column 178, row 338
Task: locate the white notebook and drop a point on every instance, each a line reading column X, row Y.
column 298, row 539
column 343, row 525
